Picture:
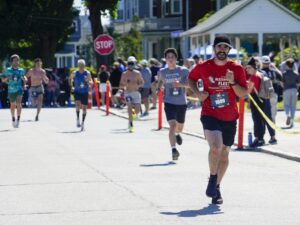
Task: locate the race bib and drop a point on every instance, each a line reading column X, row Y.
column 219, row 100
column 128, row 99
column 175, row 91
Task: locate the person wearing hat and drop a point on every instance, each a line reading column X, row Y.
column 220, row 81
column 255, row 79
column 131, row 82
column 103, row 76
column 145, row 90
column 274, row 74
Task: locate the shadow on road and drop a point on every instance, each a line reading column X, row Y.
column 208, row 210
column 70, row 132
column 27, row 121
column 120, row 131
column 158, row 164
column 8, row 130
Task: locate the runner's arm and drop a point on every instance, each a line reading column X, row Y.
column 71, row 79
column 240, row 91
column 90, row 80
column 45, row 78
column 201, row 95
column 140, row 80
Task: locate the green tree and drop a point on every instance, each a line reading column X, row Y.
column 96, row 9
column 129, row 44
column 35, row 28
column 293, row 5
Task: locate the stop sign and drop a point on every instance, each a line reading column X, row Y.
column 104, row 44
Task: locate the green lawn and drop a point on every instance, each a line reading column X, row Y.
column 280, row 105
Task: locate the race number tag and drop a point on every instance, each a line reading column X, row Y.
column 128, row 99
column 34, row 94
column 175, row 91
column 219, row 100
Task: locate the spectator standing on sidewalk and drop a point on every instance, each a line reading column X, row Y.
column 259, row 122
column 291, row 83
column 103, row 77
column 275, row 75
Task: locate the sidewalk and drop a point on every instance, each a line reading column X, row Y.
column 288, row 144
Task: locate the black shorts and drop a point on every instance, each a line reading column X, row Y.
column 145, row 92
column 82, row 98
column 175, row 112
column 228, row 128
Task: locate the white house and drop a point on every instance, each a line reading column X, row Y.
column 257, row 25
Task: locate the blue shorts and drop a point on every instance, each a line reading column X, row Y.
column 82, row 97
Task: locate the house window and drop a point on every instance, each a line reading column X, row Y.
column 154, row 8
column 120, row 14
column 176, row 6
column 167, row 8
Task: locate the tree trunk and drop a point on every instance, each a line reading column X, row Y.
column 97, row 29
column 48, row 48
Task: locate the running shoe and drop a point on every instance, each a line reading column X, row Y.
column 273, row 141
column 211, row 190
column 131, row 129
column 153, row 107
column 175, row 154
column 17, row 123
column 82, row 127
column 218, row 200
column 288, row 121
column 36, row 118
column 78, row 123
column 257, row 143
column 178, row 139
column 14, row 124
column 145, row 114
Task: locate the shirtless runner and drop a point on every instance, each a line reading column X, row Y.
column 131, row 82
column 37, row 76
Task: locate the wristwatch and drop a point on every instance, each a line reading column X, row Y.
column 232, row 84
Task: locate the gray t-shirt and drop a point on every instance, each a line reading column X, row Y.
column 146, row 74
column 290, row 79
column 176, row 96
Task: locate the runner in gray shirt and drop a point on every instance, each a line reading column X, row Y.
column 174, row 80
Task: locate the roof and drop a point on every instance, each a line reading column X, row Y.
column 225, row 13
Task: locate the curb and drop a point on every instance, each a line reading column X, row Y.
column 265, row 150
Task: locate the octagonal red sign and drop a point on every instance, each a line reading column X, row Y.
column 104, row 44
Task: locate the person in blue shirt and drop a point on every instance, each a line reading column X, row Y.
column 80, row 80
column 16, row 80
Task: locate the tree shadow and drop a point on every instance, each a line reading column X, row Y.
column 211, row 209
column 170, row 163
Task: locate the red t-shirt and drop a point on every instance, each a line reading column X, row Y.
column 256, row 80
column 215, row 83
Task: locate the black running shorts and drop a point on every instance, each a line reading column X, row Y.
column 228, row 128
column 175, row 112
column 82, row 98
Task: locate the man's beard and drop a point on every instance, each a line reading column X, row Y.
column 221, row 56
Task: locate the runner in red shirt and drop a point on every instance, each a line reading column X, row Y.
column 217, row 82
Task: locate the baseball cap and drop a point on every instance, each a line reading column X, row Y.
column 144, row 62
column 196, row 56
column 222, row 40
column 265, row 59
column 131, row 59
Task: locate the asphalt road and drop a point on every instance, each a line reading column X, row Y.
column 50, row 173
